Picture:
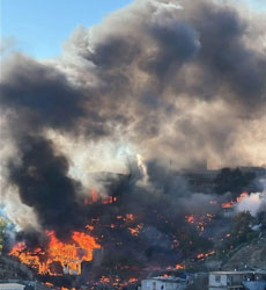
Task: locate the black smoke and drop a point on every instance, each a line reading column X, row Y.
column 174, row 80
column 43, row 184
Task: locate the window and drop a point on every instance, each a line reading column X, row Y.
column 217, row 278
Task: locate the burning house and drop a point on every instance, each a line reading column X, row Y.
column 59, row 258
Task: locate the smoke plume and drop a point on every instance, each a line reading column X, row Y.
column 174, row 81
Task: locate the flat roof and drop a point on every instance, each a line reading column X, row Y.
column 238, row 272
column 170, row 279
column 11, row 285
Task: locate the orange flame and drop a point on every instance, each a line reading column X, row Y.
column 130, row 217
column 241, row 196
column 199, row 221
column 229, row 204
column 94, row 195
column 132, row 280
column 68, row 255
column 180, row 267
column 105, row 279
column 135, row 231
column 190, row 219
column 201, row 256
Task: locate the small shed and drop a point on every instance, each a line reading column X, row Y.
column 164, row 283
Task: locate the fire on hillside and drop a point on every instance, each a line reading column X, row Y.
column 56, row 258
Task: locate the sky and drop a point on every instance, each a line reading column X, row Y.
column 39, row 27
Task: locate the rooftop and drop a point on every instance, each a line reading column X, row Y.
column 170, row 279
column 246, row 272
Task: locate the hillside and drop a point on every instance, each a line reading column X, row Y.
column 253, row 255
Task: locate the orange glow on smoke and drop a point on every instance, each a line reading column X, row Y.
column 68, row 255
column 229, row 204
column 190, row 219
column 89, row 227
column 130, row 217
column 94, row 195
column 132, row 280
column 241, row 196
column 105, row 279
column 180, row 267
column 108, row 200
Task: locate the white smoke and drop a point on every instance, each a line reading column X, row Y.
column 253, row 203
column 143, row 169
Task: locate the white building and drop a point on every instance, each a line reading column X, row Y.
column 164, row 283
column 11, row 286
column 225, row 280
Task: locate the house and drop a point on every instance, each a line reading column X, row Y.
column 164, row 283
column 11, row 286
column 237, row 280
column 224, row 280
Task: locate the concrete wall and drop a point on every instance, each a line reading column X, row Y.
column 11, row 286
column 214, row 281
column 153, row 284
column 222, row 281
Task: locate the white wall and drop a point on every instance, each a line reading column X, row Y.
column 11, row 286
column 221, row 283
column 154, row 284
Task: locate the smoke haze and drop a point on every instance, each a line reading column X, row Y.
column 169, row 80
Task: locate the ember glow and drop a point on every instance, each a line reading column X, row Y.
column 190, row 219
column 180, row 267
column 199, row 221
column 232, row 203
column 202, row 256
column 69, row 255
column 95, row 197
column 242, row 196
column 135, row 231
column 229, row 204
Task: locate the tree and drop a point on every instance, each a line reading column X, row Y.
column 243, row 232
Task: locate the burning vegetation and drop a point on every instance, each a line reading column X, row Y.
column 120, row 234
